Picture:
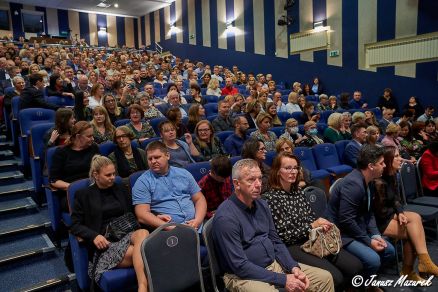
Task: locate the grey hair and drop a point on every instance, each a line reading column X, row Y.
column 241, row 164
column 16, row 78
column 97, row 163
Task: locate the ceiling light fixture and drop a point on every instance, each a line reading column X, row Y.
column 116, row 5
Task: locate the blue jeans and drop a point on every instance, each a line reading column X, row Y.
column 370, row 259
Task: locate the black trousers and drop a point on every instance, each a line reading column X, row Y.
column 342, row 266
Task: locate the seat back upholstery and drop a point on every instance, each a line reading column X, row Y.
column 106, row 148
column 210, row 109
column 31, row 116
column 306, row 158
column 199, row 169
column 408, row 181
column 133, row 178
column 326, row 155
column 340, row 148
column 61, row 101
column 215, row 270
column 317, row 199
column 172, row 259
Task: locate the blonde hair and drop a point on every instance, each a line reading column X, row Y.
column 108, row 125
column 290, row 121
column 291, row 95
column 261, row 116
column 213, row 81
column 334, row 120
column 356, row 116
column 97, row 163
column 392, row 128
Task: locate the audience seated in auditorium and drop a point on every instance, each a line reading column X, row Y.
column 196, row 114
column 18, row 87
column 234, row 143
column 260, row 260
column 181, row 152
column 373, row 134
column 205, row 80
column 407, row 116
column 387, row 115
column 126, row 159
column 370, row 119
column 346, row 123
column 358, row 102
column 392, row 139
column 174, row 116
column 429, row 170
column 153, row 99
column 165, row 193
column 323, row 104
column 96, row 95
column 255, row 149
column 115, row 112
column 292, row 105
column 238, row 106
column 317, row 87
column 307, row 90
column 309, row 114
column 349, row 208
column 335, row 130
column 94, row 208
column 291, row 131
column 344, row 101
column 430, row 130
column 216, row 185
column 357, row 117
column 60, row 133
column 262, row 99
column 213, row 87
column 352, row 149
column 264, row 123
column 72, row 161
column 208, row 145
column 60, row 87
column 387, row 100
column 223, row 121
column 427, row 115
column 195, row 91
column 32, row 96
column 311, row 136
column 394, row 222
column 103, row 129
column 333, row 103
column 150, row 111
column 408, row 143
column 229, row 88
column 271, row 109
column 174, row 101
column 81, row 109
column 414, row 106
column 142, row 129
column 293, row 217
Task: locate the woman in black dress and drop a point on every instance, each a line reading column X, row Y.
column 394, row 222
column 294, row 218
column 94, row 208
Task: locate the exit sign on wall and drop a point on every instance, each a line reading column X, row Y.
column 334, row 53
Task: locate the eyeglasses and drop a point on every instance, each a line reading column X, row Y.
column 203, row 130
column 122, row 136
column 292, row 168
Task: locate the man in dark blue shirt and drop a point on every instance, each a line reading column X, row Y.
column 249, row 249
column 234, row 143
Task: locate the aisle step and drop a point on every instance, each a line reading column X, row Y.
column 17, row 204
column 10, row 164
column 6, row 154
column 10, row 177
column 43, row 269
column 24, row 246
column 26, row 186
column 24, row 221
column 51, row 283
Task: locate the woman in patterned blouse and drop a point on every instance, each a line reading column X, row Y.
column 141, row 130
column 294, row 218
column 103, row 129
column 264, row 123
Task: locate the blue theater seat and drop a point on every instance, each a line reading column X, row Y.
column 307, row 160
column 224, row 135
column 270, row 156
column 106, row 148
column 284, row 116
column 327, row 158
column 278, row 131
column 61, row 101
column 37, row 154
column 211, row 98
column 121, row 122
column 199, row 169
column 340, row 148
column 210, row 108
column 155, row 122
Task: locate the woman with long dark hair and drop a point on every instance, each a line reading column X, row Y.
column 255, row 149
column 60, row 133
column 58, row 88
column 393, row 221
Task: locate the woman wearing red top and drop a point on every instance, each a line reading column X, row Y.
column 429, row 170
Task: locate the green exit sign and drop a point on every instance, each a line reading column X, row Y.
column 334, row 53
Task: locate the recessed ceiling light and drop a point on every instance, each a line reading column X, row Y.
column 116, row 5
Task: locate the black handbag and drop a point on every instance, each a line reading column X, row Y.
column 121, row 226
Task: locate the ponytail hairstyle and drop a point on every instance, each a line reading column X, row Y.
column 97, row 163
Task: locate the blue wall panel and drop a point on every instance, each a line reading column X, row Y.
column 249, row 25
column 142, row 30
column 17, row 25
column 43, row 9
column 350, row 32
column 386, row 27
column 152, row 25
column 198, row 17
column 185, row 21
column 320, row 14
column 64, row 27
column 162, row 32
column 270, row 24
column 102, row 37
column 213, row 23
column 136, row 32
column 84, row 26
column 120, row 25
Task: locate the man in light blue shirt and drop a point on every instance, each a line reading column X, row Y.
column 167, row 194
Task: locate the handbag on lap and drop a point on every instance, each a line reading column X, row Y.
column 322, row 243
